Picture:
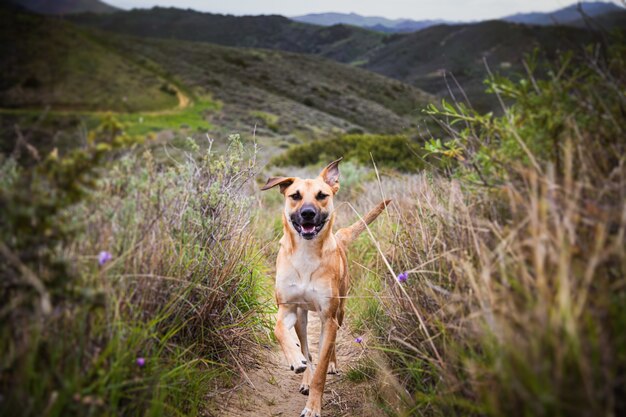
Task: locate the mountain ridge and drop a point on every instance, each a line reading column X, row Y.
column 341, row 43
column 568, row 15
column 63, row 7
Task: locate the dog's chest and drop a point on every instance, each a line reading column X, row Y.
column 303, row 281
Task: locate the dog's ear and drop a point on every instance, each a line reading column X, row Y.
column 284, row 182
column 330, row 175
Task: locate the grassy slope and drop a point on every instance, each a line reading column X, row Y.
column 49, row 62
column 418, row 58
column 341, row 43
column 422, row 57
column 302, row 90
column 67, row 68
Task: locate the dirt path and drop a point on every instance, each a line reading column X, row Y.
column 275, row 391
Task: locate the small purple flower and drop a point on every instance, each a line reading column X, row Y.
column 141, row 362
column 403, row 277
column 104, row 257
column 359, row 339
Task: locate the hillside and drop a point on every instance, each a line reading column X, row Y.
column 422, row 58
column 304, row 92
column 47, row 62
column 61, row 7
column 52, row 63
column 341, row 43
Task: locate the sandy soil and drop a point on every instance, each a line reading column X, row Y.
column 272, row 389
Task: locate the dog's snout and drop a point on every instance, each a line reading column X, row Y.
column 308, row 213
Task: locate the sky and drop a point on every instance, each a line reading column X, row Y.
column 459, row 10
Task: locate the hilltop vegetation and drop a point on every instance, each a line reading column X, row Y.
column 341, row 43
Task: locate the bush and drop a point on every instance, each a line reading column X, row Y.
column 514, row 303
column 581, row 100
column 394, row 151
column 140, row 289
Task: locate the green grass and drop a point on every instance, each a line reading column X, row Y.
column 192, row 118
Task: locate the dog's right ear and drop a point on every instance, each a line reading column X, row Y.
column 284, row 182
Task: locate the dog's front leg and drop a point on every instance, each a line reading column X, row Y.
column 301, row 331
column 285, row 320
column 314, row 403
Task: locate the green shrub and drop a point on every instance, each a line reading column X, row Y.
column 147, row 331
column 393, row 151
column 581, row 100
column 514, row 302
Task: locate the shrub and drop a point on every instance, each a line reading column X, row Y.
column 580, row 101
column 514, row 303
column 146, row 326
column 393, row 151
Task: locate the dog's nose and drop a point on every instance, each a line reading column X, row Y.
column 307, row 213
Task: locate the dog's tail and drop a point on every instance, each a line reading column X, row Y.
column 349, row 234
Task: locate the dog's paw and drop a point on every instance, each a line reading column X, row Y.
column 309, row 413
column 332, row 368
column 298, row 368
column 304, row 389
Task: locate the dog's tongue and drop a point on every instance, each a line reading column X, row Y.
column 308, row 228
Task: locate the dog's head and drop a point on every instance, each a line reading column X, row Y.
column 308, row 202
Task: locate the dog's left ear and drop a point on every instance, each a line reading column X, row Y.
column 330, row 175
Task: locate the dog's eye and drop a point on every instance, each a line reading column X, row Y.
column 296, row 196
column 321, row 196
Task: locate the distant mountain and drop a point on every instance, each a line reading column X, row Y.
column 340, row 42
column 61, row 7
column 380, row 24
column 565, row 16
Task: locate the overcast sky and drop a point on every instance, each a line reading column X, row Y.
column 410, row 9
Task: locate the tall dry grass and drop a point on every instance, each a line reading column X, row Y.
column 158, row 325
column 515, row 299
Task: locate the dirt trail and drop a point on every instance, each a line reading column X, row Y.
column 275, row 391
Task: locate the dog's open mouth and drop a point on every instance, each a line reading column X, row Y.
column 308, row 230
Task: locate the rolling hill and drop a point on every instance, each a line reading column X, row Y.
column 62, row 7
column 423, row 58
column 49, row 62
column 341, row 43
column 54, row 63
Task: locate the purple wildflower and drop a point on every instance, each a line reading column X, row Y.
column 359, row 339
column 403, row 277
column 104, row 257
column 141, row 362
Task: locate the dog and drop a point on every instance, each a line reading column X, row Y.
column 312, row 275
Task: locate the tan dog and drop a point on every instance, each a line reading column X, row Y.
column 312, row 274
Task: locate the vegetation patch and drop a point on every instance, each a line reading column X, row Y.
column 394, row 151
column 192, row 118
